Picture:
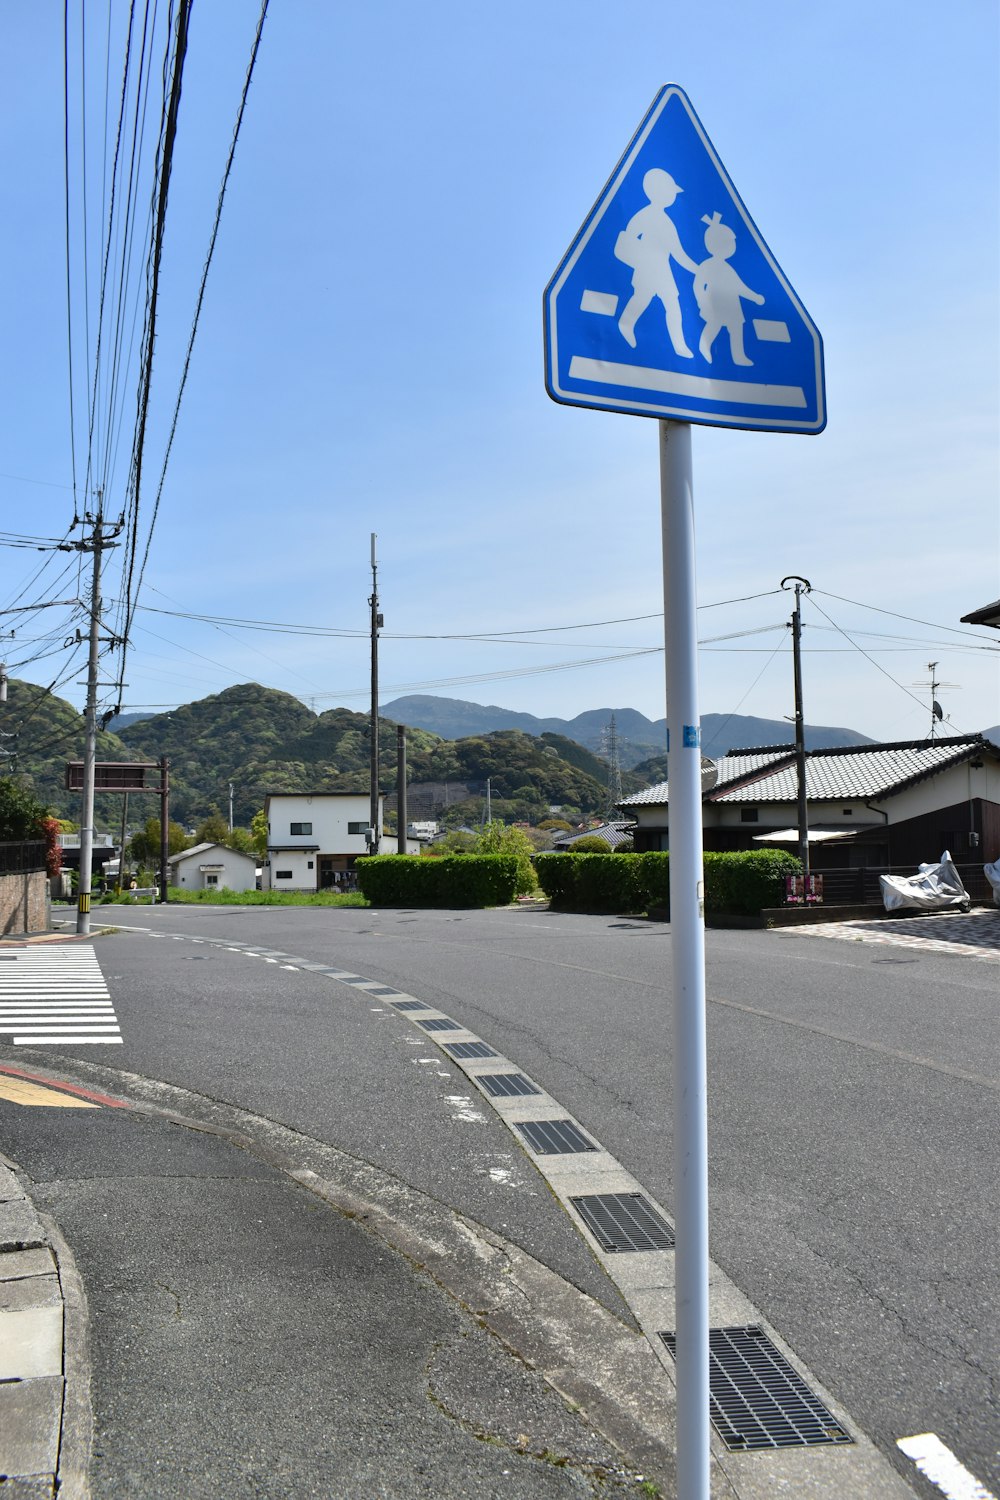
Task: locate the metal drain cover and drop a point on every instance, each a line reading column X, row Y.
column 439, row 1023
column 501, row 1085
column 757, row 1399
column 624, row 1221
column 381, row 989
column 409, row 1005
column 554, row 1137
column 470, row 1049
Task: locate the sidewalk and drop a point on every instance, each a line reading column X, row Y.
column 249, row 1334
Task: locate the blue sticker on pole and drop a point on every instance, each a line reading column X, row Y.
column 668, row 303
column 692, row 736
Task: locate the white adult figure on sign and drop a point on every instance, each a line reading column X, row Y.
column 648, row 244
column 718, row 290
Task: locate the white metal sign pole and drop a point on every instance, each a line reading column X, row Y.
column 687, row 930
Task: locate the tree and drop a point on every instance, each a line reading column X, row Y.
column 455, row 842
column 258, row 832
column 242, row 840
column 497, row 838
column 590, row 844
column 21, row 814
column 144, row 846
column 212, row 830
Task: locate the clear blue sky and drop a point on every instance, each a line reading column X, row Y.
column 369, row 356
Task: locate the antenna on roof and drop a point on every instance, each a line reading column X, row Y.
column 937, row 712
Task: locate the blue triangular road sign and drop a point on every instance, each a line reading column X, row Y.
column 668, row 303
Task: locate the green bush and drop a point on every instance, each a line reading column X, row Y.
column 738, row 883
column 459, row 880
column 592, row 882
column 745, row 881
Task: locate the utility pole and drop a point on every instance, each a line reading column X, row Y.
column 802, row 585
column 377, row 622
column 98, row 541
column 400, row 788
column 120, row 883
column 230, row 807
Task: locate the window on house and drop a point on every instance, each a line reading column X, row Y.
column 282, row 874
column 295, row 828
column 211, row 879
column 358, row 827
column 848, row 812
column 309, row 864
column 748, row 814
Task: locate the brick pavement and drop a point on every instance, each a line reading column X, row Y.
column 974, row 934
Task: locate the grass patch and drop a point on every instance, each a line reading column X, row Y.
column 265, row 898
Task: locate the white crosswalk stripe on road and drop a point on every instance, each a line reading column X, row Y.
column 55, row 995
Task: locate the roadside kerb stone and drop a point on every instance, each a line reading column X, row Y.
column 31, row 1348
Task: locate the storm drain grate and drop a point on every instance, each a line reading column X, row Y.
column 381, row 989
column 624, row 1221
column 554, row 1137
column 440, row 1023
column 470, row 1049
column 409, row 1005
column 757, row 1399
column 506, row 1085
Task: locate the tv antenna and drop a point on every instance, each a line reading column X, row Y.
column 937, row 712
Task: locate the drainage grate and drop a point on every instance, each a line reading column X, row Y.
column 440, row 1023
column 500, row 1085
column 470, row 1049
column 757, row 1399
column 624, row 1221
column 381, row 989
column 554, row 1137
column 409, row 1005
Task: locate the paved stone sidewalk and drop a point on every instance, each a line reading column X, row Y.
column 31, row 1347
column 974, row 934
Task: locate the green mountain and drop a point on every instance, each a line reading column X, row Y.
column 639, row 739
column 266, row 741
column 39, row 733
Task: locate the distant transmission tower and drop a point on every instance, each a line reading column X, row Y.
column 614, row 767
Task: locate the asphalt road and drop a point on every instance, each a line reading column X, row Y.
column 854, row 1132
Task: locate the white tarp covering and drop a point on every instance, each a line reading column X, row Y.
column 933, row 888
column 992, row 873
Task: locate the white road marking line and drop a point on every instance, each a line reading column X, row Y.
column 55, row 996
column 942, row 1468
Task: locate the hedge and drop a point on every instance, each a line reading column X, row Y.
column 740, row 883
column 458, row 880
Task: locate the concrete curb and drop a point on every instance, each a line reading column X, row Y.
column 31, row 1346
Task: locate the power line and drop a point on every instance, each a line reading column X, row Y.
column 130, row 607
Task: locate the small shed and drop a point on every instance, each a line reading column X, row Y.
column 210, row 867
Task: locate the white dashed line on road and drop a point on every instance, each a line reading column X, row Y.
column 937, row 1462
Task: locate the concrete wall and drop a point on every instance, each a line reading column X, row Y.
column 24, row 903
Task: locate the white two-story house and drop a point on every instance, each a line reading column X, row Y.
column 314, row 838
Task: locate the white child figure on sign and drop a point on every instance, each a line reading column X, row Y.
column 648, row 244
column 718, row 290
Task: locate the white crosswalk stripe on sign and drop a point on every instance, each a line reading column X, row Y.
column 55, row 995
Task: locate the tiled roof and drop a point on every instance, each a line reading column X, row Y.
column 613, row 834
column 862, row 772
column 857, row 771
column 726, row 769
column 988, row 615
